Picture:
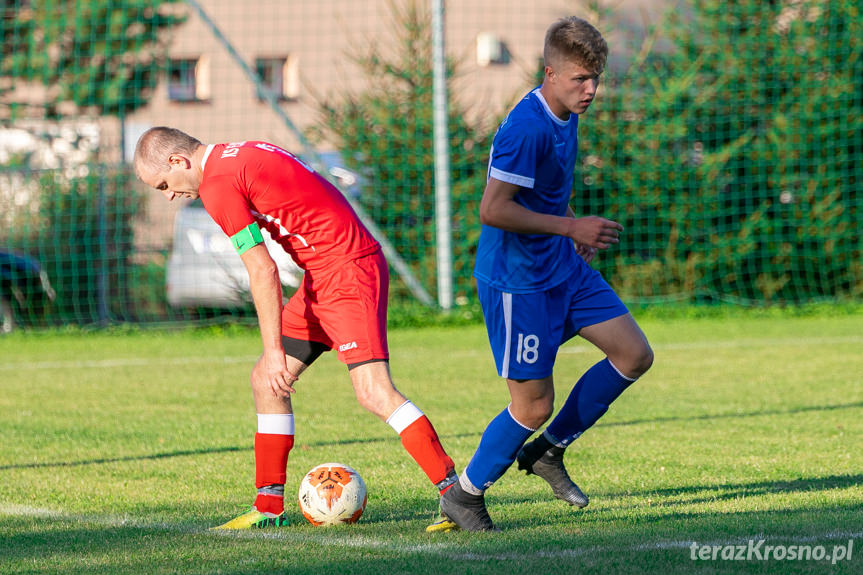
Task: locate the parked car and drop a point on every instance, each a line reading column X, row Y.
column 204, row 270
column 24, row 289
column 350, row 182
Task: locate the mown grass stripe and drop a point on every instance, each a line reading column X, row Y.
column 447, row 550
column 569, row 349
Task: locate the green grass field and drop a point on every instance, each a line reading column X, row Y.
column 120, row 450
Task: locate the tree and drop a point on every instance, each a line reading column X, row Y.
column 733, row 159
column 94, row 57
column 100, row 54
column 386, row 132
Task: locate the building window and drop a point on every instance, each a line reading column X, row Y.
column 188, row 79
column 491, row 50
column 279, row 77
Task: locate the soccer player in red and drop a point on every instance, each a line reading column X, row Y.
column 251, row 188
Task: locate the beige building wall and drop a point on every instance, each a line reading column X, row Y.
column 318, row 37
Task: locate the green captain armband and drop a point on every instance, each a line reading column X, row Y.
column 247, row 238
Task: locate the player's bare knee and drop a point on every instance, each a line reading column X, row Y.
column 540, row 416
column 644, row 360
column 634, row 362
column 376, row 401
column 255, row 378
column 544, row 409
column 639, row 361
column 259, row 385
column 534, row 414
column 366, row 398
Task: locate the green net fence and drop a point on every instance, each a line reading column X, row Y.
column 727, row 138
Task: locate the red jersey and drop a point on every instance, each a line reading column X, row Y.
column 257, row 182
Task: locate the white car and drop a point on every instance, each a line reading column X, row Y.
column 204, row 269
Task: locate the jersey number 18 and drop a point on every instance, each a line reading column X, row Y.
column 528, row 348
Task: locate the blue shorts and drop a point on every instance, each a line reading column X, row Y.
column 526, row 330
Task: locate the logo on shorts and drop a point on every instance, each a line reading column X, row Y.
column 347, row 346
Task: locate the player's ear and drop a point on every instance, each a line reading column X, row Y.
column 179, row 161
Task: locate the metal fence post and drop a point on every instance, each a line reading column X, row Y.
column 443, row 225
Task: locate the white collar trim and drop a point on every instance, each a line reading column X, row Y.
column 206, row 155
column 548, row 111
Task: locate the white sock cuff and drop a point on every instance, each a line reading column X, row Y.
column 614, row 367
column 468, row 486
column 276, row 423
column 509, row 411
column 403, row 416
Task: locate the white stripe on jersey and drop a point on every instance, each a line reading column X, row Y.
column 509, row 178
column 283, row 231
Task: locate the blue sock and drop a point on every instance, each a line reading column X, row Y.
column 497, row 449
column 587, row 402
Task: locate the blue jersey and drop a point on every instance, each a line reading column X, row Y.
column 536, row 150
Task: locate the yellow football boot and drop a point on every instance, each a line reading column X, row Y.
column 254, row 519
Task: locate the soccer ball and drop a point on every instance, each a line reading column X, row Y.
column 332, row 493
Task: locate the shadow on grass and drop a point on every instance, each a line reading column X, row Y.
column 663, row 521
column 759, row 413
column 736, row 490
column 715, row 492
column 192, row 452
column 393, row 438
column 664, row 525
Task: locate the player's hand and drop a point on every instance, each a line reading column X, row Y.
column 272, row 371
column 587, row 253
column 594, row 232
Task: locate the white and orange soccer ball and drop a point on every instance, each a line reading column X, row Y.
column 332, row 493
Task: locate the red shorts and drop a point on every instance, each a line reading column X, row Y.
column 344, row 309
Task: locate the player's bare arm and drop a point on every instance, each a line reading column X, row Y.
column 267, row 294
column 498, row 208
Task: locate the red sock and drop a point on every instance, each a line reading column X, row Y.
column 271, row 459
column 421, row 441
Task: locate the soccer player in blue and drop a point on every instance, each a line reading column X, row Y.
column 535, row 285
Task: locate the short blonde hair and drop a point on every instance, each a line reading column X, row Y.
column 576, row 40
column 157, row 144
